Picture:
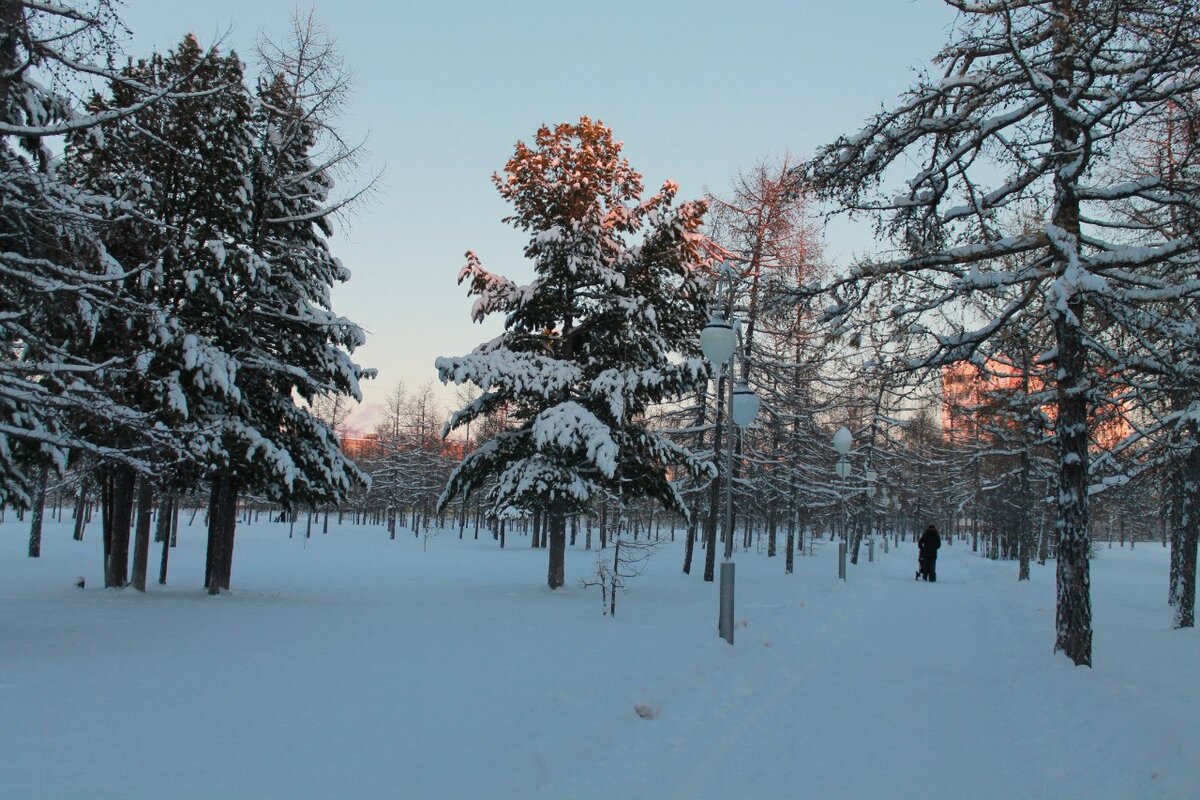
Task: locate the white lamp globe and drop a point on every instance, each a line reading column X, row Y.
column 745, row 405
column 717, row 340
column 842, row 440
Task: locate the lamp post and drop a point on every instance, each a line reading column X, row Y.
column 870, row 476
column 841, row 443
column 720, row 342
column 885, row 502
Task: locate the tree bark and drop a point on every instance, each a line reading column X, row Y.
column 39, row 508
column 81, row 509
column 1073, row 617
column 1024, row 520
column 689, row 546
column 166, row 516
column 791, row 541
column 1185, row 585
column 141, row 542
column 221, row 526
column 558, row 548
column 116, row 567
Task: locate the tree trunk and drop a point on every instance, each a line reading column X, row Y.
column 81, row 514
column 1073, row 618
column 558, row 548
column 141, row 542
column 855, row 534
column 1024, row 520
column 689, row 546
column 116, row 568
column 167, row 515
column 221, row 527
column 772, row 533
column 793, row 529
column 1184, row 589
column 616, row 579
column 210, row 554
column 39, row 508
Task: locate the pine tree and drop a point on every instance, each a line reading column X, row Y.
column 589, row 344
column 229, row 216
column 180, row 169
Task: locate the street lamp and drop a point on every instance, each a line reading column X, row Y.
column 841, row 443
column 719, row 342
column 870, row 476
column 745, row 405
column 885, row 500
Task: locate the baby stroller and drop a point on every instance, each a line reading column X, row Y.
column 926, row 568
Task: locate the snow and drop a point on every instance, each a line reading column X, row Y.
column 571, row 427
column 348, row 665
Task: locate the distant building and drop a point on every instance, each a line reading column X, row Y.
column 362, row 447
column 973, row 397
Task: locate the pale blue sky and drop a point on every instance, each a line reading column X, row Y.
column 696, row 89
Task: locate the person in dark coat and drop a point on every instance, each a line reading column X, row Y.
column 928, row 546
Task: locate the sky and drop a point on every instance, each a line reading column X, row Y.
column 697, row 90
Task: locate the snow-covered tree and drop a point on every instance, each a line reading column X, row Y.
column 180, row 170
column 590, row 343
column 56, row 276
column 301, row 347
column 1032, row 98
column 764, row 226
column 230, row 207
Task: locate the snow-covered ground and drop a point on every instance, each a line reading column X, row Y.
column 351, row 666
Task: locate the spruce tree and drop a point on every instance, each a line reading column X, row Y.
column 227, row 211
column 179, row 168
column 590, row 343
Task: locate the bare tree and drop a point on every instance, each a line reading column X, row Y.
column 1031, row 97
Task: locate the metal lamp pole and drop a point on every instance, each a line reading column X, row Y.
column 869, row 475
column 720, row 341
column 841, row 443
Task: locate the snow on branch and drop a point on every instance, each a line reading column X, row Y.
column 572, row 428
column 620, row 387
column 510, row 372
column 495, row 292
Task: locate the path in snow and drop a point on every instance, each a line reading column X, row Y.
column 890, row 687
